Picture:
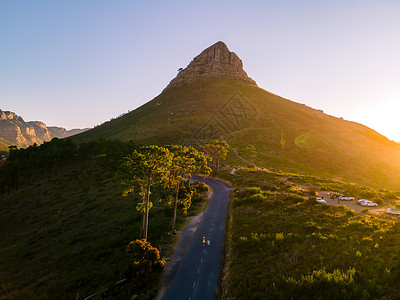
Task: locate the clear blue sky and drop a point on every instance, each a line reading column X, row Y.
column 79, row 63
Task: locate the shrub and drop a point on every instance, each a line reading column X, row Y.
column 145, row 259
column 279, row 236
column 267, row 193
column 253, row 191
column 201, row 187
column 350, row 213
column 294, row 198
column 313, row 193
column 365, row 210
column 255, row 198
column 311, row 201
column 321, row 284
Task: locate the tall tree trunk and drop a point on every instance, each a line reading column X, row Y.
column 175, row 208
column 146, row 221
column 143, row 218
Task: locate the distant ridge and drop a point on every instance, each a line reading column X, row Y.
column 213, row 98
column 15, row 131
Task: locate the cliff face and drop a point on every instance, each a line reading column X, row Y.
column 214, row 62
column 15, row 131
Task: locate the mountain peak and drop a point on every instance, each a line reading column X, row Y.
column 214, row 62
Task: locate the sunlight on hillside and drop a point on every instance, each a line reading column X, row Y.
column 383, row 116
column 306, row 140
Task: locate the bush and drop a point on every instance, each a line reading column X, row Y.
column 253, row 191
column 201, row 187
column 321, row 285
column 145, row 259
column 254, row 198
column 350, row 213
column 365, row 210
column 294, row 198
column 311, row 201
column 313, row 193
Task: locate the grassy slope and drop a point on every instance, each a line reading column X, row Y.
column 68, row 235
column 279, row 235
column 328, row 145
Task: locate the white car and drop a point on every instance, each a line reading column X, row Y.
column 345, row 198
column 364, row 202
column 393, row 212
column 320, row 200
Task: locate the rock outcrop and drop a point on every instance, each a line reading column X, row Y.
column 214, row 62
column 15, row 131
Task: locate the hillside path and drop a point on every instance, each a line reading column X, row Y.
column 198, row 274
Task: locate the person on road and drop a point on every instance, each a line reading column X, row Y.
column 204, row 241
column 208, row 240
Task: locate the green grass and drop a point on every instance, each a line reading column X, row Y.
column 283, row 246
column 68, row 235
column 314, row 143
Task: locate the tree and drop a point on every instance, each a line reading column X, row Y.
column 183, row 164
column 217, row 150
column 202, row 167
column 140, row 170
column 185, row 161
column 145, row 259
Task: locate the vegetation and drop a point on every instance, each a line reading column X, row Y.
column 282, row 244
column 278, row 180
column 65, row 225
column 62, row 203
column 288, row 136
column 140, row 171
column 217, row 150
column 145, row 260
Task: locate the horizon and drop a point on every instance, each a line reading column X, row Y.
column 65, row 61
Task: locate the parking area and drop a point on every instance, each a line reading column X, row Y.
column 351, row 204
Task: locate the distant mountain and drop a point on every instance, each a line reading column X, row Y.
column 15, row 131
column 214, row 98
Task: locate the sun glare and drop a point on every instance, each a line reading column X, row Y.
column 383, row 117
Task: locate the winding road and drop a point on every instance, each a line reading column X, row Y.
column 198, row 274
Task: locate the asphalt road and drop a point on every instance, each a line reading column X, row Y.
column 198, row 274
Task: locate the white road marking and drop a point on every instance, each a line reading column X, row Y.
column 201, row 260
column 198, row 270
column 194, row 283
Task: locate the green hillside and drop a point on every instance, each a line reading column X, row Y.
column 282, row 244
column 65, row 225
column 287, row 135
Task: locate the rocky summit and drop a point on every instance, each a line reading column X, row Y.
column 15, row 131
column 214, row 62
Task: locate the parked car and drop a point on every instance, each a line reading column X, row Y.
column 364, row 202
column 320, row 200
column 346, row 198
column 392, row 212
